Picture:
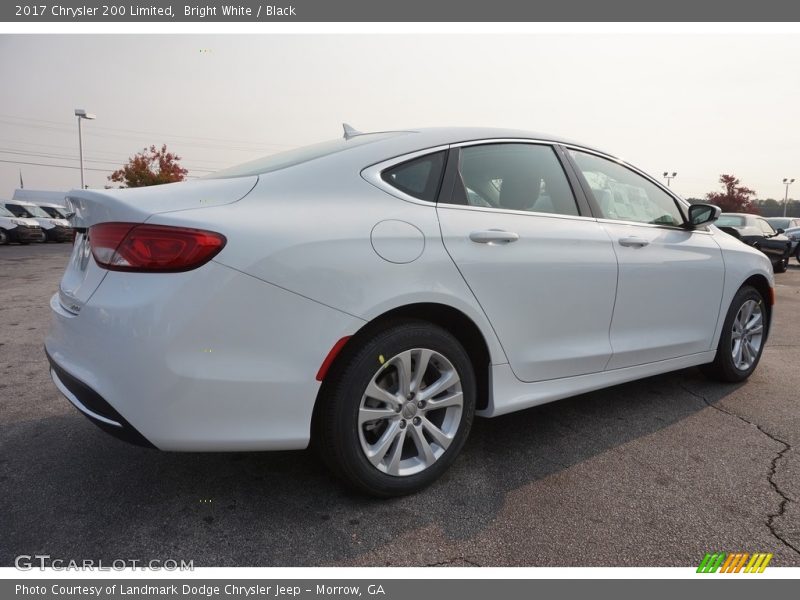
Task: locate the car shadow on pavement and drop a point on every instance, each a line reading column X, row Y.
column 72, row 491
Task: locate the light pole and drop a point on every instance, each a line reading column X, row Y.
column 787, row 182
column 82, row 114
column 669, row 176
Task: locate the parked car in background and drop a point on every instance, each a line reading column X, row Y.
column 375, row 293
column 55, row 229
column 793, row 233
column 758, row 233
column 783, row 222
column 17, row 229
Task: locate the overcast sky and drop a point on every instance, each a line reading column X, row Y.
column 700, row 105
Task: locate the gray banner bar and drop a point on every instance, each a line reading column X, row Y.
column 400, row 10
column 731, row 587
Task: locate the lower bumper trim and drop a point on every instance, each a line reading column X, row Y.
column 94, row 407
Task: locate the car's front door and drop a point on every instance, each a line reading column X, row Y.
column 670, row 277
column 544, row 274
column 771, row 243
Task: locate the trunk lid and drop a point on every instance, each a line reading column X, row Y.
column 134, row 205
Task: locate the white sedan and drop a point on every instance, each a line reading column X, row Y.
column 376, row 292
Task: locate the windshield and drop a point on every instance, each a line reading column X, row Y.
column 36, row 211
column 53, row 212
column 290, row 158
column 730, row 221
column 4, row 212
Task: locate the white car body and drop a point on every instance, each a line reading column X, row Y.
column 224, row 357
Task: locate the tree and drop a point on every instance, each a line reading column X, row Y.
column 151, row 166
column 735, row 197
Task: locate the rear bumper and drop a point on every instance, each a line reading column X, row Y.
column 94, row 407
column 208, row 360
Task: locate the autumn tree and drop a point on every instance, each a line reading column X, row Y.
column 734, row 197
column 151, row 166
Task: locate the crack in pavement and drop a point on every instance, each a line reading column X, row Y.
column 450, row 561
column 785, row 500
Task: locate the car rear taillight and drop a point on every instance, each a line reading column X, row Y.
column 152, row 248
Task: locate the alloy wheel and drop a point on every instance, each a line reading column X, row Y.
column 410, row 412
column 747, row 336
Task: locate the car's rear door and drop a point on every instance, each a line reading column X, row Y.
column 542, row 269
column 670, row 277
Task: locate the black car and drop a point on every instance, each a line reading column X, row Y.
column 793, row 234
column 758, row 233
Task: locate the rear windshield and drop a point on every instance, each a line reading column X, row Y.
column 290, row 158
column 730, row 221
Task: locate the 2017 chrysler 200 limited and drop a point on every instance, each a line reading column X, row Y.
column 374, row 293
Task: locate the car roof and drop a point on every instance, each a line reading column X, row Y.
column 427, row 137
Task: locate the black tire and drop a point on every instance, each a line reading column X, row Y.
column 797, row 254
column 337, row 433
column 723, row 368
column 781, row 265
column 3, row 237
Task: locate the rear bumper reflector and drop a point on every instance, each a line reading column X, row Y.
column 326, row 364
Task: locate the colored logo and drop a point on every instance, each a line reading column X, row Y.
column 734, row 562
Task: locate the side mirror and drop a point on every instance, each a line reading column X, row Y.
column 703, row 214
column 779, row 231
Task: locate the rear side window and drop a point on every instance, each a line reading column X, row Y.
column 418, row 177
column 508, row 176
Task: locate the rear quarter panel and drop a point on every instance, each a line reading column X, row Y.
column 308, row 229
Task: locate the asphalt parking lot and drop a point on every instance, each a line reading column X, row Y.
column 651, row 473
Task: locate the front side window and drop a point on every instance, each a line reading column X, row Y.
column 766, row 228
column 780, row 223
column 624, row 195
column 418, row 177
column 19, row 211
column 526, row 177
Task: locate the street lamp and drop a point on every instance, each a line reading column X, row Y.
column 669, row 176
column 82, row 114
column 787, row 182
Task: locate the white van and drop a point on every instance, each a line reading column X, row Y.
column 16, row 229
column 55, row 229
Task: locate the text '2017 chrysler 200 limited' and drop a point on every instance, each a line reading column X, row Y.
column 376, row 292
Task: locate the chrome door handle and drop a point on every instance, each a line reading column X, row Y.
column 633, row 241
column 493, row 236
